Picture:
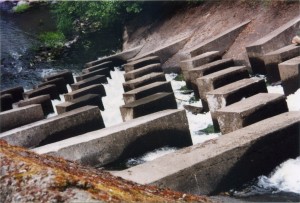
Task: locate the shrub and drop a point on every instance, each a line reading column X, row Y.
column 21, row 8
column 52, row 39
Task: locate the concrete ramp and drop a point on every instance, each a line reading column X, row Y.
column 221, row 164
column 169, row 127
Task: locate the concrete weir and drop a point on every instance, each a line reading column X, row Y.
column 92, row 89
column 147, row 90
column 143, row 71
column 56, row 128
column 164, row 128
column 97, row 79
column 15, row 92
column 43, row 100
column 141, row 63
column 250, row 110
column 20, row 116
column 224, row 163
column 290, row 75
column 147, row 105
column 67, row 75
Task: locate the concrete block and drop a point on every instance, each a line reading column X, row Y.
column 224, row 163
column 89, row 99
column 144, row 80
column 43, row 100
column 107, row 64
column 275, row 40
column 232, row 93
column 250, row 110
column 97, row 79
column 6, row 101
column 48, row 89
column 143, row 71
column 272, row 59
column 20, row 116
column 67, row 75
column 102, row 71
column 15, row 92
column 207, row 69
column 60, row 84
column 147, row 90
column 148, row 105
column 289, row 74
column 133, row 65
column 218, row 79
column 92, row 89
column 164, row 128
column 56, row 128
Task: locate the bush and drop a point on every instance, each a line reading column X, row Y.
column 21, row 8
column 52, row 39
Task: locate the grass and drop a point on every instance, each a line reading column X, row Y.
column 21, row 8
column 52, row 39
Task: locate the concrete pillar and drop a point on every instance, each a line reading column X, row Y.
column 20, row 116
column 97, row 79
column 250, row 110
column 43, row 100
column 102, row 71
column 60, row 84
column 135, row 137
column 143, row 71
column 56, row 128
column 92, row 89
column 15, row 92
column 147, row 105
column 67, row 75
column 48, row 89
column 107, row 64
column 6, row 102
column 133, row 65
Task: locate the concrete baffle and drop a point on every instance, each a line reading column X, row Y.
column 48, row 89
column 143, row 71
column 102, row 71
column 60, row 84
column 67, row 75
column 92, row 89
column 6, row 101
column 15, row 92
column 133, row 65
column 43, row 100
column 107, row 64
column 97, row 79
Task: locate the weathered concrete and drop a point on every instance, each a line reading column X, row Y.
column 275, row 40
column 43, row 100
column 224, row 163
column 92, row 89
column 107, row 64
column 60, row 84
column 48, row 89
column 233, row 93
column 15, row 92
column 272, row 59
column 89, row 99
column 133, row 65
column 218, row 79
column 67, row 75
column 142, row 71
column 119, row 58
column 144, row 80
column 20, row 116
column 289, row 74
column 207, row 69
column 147, row 105
column 102, row 71
column 147, row 90
column 97, row 79
column 169, row 127
column 221, row 42
column 250, row 110
column 56, row 128
column 6, row 101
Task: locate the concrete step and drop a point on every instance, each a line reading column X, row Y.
column 6, row 101
column 221, row 42
column 102, row 71
column 232, row 93
column 272, row 59
column 133, row 65
column 48, row 89
column 89, row 99
column 207, row 69
column 107, row 64
column 147, row 105
column 97, row 79
column 143, row 71
column 147, row 90
column 277, row 39
column 164, row 128
column 218, row 79
column 92, row 89
column 43, row 100
column 15, row 92
column 60, row 84
column 144, row 80
column 56, row 128
column 289, row 74
column 21, row 116
column 67, row 75
column 224, row 163
column 250, row 110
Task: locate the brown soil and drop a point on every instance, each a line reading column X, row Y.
column 209, row 19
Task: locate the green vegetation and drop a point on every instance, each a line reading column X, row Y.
column 209, row 129
column 52, row 39
column 179, row 77
column 21, row 8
